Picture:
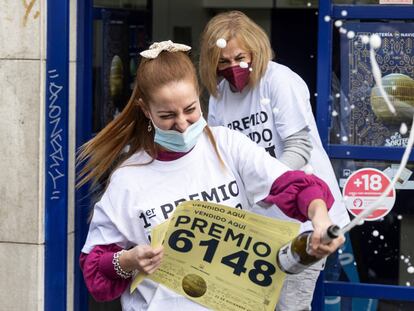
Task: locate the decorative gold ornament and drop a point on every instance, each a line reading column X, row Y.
column 194, row 285
column 116, row 77
column 400, row 90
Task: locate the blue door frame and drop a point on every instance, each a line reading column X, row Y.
column 83, row 134
column 56, row 155
column 324, row 69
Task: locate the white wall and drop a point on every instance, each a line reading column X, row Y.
column 22, row 63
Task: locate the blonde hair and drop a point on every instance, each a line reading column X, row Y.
column 106, row 151
column 251, row 37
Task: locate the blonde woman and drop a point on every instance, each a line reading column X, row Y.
column 159, row 152
column 270, row 104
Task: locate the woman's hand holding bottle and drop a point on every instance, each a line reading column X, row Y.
column 323, row 242
column 310, row 246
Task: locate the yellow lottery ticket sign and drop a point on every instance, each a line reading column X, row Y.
column 221, row 257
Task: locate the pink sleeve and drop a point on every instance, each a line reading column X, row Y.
column 99, row 274
column 293, row 191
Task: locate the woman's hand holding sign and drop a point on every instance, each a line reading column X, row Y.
column 143, row 258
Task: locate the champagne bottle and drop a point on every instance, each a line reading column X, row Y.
column 294, row 257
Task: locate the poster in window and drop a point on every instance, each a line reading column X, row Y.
column 364, row 117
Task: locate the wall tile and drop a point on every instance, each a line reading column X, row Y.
column 20, row 220
column 21, row 282
column 22, row 19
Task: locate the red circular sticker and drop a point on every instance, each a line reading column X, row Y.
column 363, row 188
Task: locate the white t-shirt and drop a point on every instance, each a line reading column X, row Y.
column 140, row 196
column 277, row 107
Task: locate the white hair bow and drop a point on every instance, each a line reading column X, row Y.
column 156, row 48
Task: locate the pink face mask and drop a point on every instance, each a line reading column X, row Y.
column 238, row 77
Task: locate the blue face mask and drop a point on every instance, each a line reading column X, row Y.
column 180, row 142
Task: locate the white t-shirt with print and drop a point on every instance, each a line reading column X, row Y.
column 277, row 107
column 141, row 196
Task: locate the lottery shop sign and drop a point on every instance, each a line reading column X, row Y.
column 363, row 188
column 222, row 257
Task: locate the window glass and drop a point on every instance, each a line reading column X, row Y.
column 119, row 36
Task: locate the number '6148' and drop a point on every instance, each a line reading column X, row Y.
column 261, row 274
